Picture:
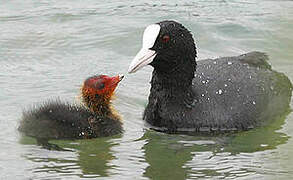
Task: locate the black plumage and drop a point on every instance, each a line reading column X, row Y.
column 55, row 119
column 212, row 95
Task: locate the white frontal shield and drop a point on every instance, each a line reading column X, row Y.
column 145, row 56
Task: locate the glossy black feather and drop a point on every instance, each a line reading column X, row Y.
column 224, row 94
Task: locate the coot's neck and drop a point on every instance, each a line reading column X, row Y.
column 171, row 81
column 175, row 84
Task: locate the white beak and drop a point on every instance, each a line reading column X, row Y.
column 145, row 56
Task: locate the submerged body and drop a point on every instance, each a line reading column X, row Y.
column 224, row 94
column 59, row 120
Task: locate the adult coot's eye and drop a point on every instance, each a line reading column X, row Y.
column 100, row 86
column 165, row 38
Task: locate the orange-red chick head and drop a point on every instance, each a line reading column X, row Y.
column 99, row 88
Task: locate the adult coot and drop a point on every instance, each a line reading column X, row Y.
column 223, row 94
column 58, row 120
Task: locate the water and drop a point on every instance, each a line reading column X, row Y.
column 47, row 48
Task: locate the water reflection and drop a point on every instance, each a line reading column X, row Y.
column 230, row 155
column 89, row 158
column 177, row 156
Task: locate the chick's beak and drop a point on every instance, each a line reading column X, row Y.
column 113, row 82
column 121, row 76
column 116, row 79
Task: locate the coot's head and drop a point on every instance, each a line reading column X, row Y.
column 166, row 46
column 99, row 88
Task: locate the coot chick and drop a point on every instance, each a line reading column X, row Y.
column 213, row 95
column 59, row 120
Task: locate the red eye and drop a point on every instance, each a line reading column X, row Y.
column 165, row 38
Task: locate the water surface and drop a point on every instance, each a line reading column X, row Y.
column 48, row 48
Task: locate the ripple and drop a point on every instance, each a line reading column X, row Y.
column 47, row 48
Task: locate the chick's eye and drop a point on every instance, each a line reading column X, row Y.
column 100, row 86
column 165, row 38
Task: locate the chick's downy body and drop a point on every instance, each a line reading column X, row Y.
column 96, row 117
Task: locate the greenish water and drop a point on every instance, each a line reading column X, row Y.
column 47, row 49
